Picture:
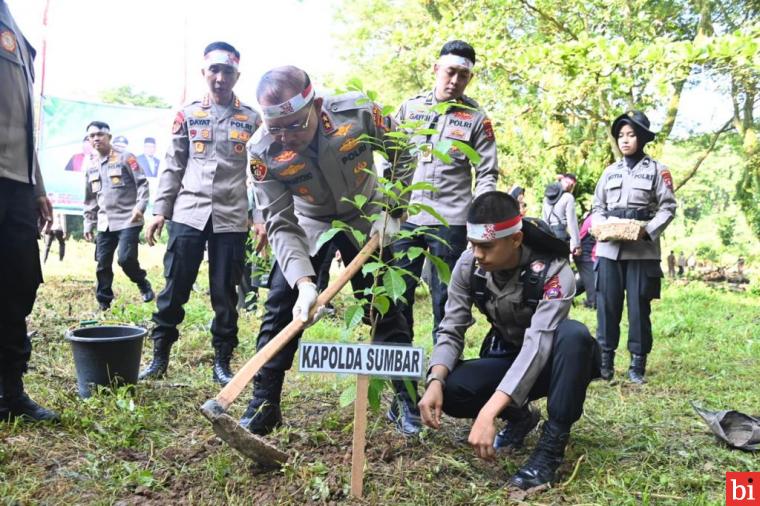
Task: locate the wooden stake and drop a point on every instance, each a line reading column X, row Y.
column 360, row 433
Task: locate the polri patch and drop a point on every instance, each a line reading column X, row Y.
column 668, row 179
column 553, row 289
column 488, row 129
column 8, row 41
column 258, row 169
column 132, row 162
column 178, row 120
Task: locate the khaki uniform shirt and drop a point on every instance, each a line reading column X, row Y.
column 453, row 179
column 563, row 213
column 18, row 158
column 205, row 167
column 647, row 186
column 300, row 194
column 519, row 325
column 115, row 186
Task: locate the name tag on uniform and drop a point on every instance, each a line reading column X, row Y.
column 94, row 179
column 115, row 174
column 458, row 128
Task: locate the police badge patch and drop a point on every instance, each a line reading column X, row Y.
column 488, row 129
column 258, row 169
column 553, row 289
column 178, row 120
column 668, row 179
column 132, row 162
column 537, row 266
column 8, row 41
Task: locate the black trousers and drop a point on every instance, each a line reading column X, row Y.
column 127, row 240
column 588, row 283
column 391, row 328
column 640, row 279
column 52, row 236
column 182, row 260
column 20, row 275
column 455, row 242
column 573, row 363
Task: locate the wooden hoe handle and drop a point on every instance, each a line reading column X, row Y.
column 232, row 390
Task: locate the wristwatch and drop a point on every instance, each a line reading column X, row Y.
column 435, row 377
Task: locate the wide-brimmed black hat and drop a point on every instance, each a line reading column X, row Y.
column 638, row 121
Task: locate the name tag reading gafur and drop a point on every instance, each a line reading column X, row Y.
column 371, row 360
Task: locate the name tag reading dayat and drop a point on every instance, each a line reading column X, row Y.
column 371, row 360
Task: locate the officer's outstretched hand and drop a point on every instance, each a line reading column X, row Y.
column 45, row 211
column 431, row 404
column 386, row 226
column 307, row 297
column 482, row 435
column 154, row 229
column 89, row 236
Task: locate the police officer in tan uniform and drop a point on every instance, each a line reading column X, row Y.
column 518, row 276
column 465, row 122
column 202, row 192
column 306, row 161
column 22, row 201
column 640, row 188
column 115, row 198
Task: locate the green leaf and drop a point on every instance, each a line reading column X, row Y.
column 353, row 316
column 375, row 392
column 348, row 396
column 444, row 272
column 394, row 284
column 472, row 155
column 382, row 304
column 442, row 155
column 359, row 236
column 326, row 236
column 419, row 186
column 371, row 267
column 414, row 252
column 435, row 214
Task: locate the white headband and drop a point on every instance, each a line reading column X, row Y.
column 94, row 129
column 454, row 60
column 221, row 57
column 490, row 232
column 289, row 106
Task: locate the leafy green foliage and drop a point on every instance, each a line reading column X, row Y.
column 127, row 96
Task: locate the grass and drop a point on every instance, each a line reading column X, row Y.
column 151, row 445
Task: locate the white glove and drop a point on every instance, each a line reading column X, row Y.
column 307, row 296
column 385, row 230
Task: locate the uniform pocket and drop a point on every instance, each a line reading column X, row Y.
column 652, row 280
column 613, row 189
column 169, row 255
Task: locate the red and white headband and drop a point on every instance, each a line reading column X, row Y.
column 492, row 231
column 291, row 106
column 220, row 57
column 454, row 60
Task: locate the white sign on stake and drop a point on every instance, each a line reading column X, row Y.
column 372, row 360
column 364, row 360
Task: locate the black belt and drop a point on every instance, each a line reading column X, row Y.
column 631, row 214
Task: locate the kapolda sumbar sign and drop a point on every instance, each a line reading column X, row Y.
column 372, row 360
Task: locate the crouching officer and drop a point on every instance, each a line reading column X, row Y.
column 202, row 191
column 308, row 164
column 640, row 188
column 115, row 198
column 518, row 276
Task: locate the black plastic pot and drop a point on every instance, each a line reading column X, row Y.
column 106, row 355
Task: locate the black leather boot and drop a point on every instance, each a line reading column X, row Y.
column 15, row 403
column 608, row 365
column 222, row 372
column 263, row 414
column 637, row 369
column 146, row 291
column 518, row 426
column 543, row 463
column 157, row 368
column 404, row 411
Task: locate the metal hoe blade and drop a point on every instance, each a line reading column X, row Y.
column 249, row 445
